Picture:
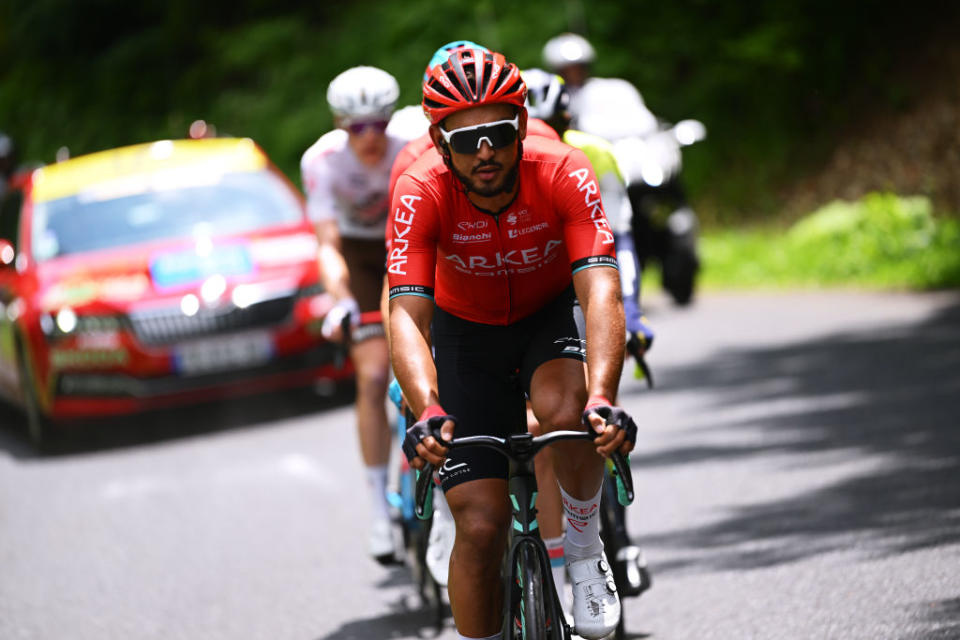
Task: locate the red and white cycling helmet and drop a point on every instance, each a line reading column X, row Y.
column 470, row 78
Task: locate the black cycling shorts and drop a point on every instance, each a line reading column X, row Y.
column 484, row 372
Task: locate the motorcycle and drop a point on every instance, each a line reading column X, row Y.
column 648, row 153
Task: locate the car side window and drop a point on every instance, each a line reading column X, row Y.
column 10, row 216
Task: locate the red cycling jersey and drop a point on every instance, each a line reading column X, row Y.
column 497, row 269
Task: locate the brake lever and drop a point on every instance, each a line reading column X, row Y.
column 633, row 348
column 624, row 478
column 424, row 492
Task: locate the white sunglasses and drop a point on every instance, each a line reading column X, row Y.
column 498, row 134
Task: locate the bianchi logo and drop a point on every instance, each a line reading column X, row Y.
column 468, row 238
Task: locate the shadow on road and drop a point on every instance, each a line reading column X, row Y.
column 403, row 621
column 890, row 396
column 167, row 424
column 944, row 618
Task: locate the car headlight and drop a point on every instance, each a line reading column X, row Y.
column 67, row 322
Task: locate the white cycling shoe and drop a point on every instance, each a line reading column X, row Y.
column 380, row 542
column 440, row 543
column 596, row 606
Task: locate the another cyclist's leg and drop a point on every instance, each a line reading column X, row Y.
column 549, row 508
column 482, row 515
column 371, row 359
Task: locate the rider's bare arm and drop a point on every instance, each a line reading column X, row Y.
column 333, row 268
column 598, row 290
column 410, row 318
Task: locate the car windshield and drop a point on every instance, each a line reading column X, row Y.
column 232, row 203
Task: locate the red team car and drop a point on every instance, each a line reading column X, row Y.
column 157, row 274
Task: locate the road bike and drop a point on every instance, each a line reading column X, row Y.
column 532, row 608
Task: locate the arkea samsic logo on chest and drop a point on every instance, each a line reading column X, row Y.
column 499, row 264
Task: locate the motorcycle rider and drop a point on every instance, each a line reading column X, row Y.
column 571, row 56
column 648, row 154
column 345, row 175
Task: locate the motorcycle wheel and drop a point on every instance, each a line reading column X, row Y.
column 680, row 267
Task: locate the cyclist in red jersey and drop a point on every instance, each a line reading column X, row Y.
column 503, row 261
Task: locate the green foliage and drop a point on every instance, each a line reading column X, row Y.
column 773, row 81
column 881, row 240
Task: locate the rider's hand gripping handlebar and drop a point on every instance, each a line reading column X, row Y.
column 415, row 434
column 620, row 418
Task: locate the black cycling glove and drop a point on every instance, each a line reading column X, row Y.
column 615, row 416
column 420, row 430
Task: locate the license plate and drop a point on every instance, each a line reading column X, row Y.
column 222, row 353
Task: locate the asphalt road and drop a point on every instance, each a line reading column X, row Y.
column 798, row 477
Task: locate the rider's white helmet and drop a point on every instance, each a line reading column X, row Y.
column 363, row 93
column 566, row 49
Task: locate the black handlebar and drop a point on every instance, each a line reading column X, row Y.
column 520, row 447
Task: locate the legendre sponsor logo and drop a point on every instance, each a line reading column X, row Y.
column 516, row 233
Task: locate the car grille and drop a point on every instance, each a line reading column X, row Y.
column 163, row 326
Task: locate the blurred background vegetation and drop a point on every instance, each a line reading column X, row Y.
column 805, row 101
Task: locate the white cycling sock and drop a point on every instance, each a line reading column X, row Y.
column 495, row 636
column 557, row 566
column 583, row 526
column 377, row 483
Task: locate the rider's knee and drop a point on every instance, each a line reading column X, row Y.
column 372, row 380
column 482, row 526
column 564, row 414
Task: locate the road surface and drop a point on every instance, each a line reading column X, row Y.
column 798, row 477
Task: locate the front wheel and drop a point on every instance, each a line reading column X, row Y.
column 528, row 608
column 679, row 262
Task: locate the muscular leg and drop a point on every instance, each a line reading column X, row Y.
column 481, row 511
column 550, row 511
column 558, row 393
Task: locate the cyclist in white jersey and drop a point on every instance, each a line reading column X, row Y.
column 346, row 176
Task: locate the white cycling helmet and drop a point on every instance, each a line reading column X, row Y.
column 547, row 98
column 363, row 93
column 566, row 49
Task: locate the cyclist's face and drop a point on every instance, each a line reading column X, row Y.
column 575, row 75
column 368, row 141
column 486, row 170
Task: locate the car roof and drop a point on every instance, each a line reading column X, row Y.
column 153, row 165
